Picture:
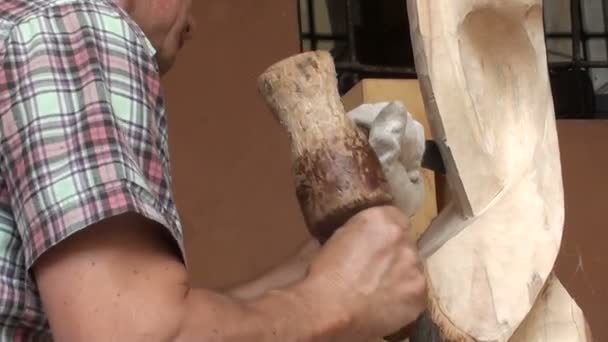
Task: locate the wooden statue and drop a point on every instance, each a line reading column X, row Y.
column 395, row 136
column 483, row 71
column 554, row 317
column 490, row 253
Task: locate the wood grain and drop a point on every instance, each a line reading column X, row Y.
column 483, row 72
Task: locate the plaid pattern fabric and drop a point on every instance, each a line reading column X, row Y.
column 83, row 137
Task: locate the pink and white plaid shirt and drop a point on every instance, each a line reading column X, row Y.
column 83, row 137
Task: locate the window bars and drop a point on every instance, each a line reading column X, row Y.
column 579, row 78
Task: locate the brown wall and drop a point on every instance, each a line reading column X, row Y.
column 583, row 263
column 230, row 159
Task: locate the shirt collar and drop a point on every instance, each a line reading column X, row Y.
column 142, row 34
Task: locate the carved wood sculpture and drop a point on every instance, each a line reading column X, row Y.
column 554, row 317
column 483, row 75
column 483, row 72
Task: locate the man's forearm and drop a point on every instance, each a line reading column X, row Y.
column 278, row 315
column 286, row 274
column 125, row 283
column 278, row 306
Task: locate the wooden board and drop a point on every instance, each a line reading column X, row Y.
column 483, row 71
column 408, row 93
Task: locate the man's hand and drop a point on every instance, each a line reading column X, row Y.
column 371, row 268
column 399, row 142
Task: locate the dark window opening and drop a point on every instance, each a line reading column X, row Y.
column 370, row 39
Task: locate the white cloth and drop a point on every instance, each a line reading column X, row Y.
column 399, row 142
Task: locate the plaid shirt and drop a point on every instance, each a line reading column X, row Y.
column 83, row 137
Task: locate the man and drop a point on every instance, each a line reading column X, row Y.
column 91, row 239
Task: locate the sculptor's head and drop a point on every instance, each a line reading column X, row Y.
column 168, row 24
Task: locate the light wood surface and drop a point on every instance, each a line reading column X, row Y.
column 483, row 70
column 555, row 318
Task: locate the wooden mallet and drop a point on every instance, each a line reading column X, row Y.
column 337, row 173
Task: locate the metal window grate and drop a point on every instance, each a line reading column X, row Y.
column 348, row 65
column 580, row 39
column 572, row 74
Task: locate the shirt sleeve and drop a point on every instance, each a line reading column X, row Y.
column 83, row 133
